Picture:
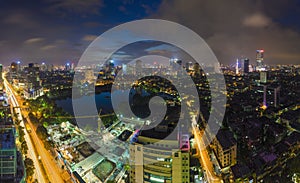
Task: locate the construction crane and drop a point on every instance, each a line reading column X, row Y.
column 90, row 116
column 71, row 117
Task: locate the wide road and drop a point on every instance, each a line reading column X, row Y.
column 38, row 173
column 52, row 169
column 204, row 157
column 203, row 154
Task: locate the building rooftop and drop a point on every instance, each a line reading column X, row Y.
column 240, row 171
column 88, row 163
column 7, row 140
column 267, row 157
column 152, row 133
column 293, row 139
column 225, row 138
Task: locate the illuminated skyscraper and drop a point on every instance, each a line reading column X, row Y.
column 68, row 66
column 260, row 60
column 246, row 65
column 124, row 69
column 197, row 69
column 271, row 95
column 138, row 67
column 14, row 67
column 237, row 66
column 1, row 70
column 175, row 65
column 189, row 66
column 276, row 96
column 263, row 77
column 265, row 97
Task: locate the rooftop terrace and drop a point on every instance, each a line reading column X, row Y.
column 7, row 140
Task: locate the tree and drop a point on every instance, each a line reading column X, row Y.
column 29, row 167
column 110, row 181
column 17, row 122
column 41, row 131
column 48, row 145
column 32, row 118
column 21, row 134
column 24, row 147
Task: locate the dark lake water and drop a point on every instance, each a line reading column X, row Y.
column 102, row 100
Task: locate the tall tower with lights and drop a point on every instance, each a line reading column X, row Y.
column 237, row 66
column 260, row 60
column 246, row 65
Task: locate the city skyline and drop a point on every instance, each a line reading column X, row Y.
column 160, row 91
column 64, row 137
column 59, row 31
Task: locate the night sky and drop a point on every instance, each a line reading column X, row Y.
column 58, row 31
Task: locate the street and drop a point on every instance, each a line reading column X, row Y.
column 203, row 155
column 31, row 154
column 51, row 168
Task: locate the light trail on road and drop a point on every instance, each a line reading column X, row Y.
column 204, row 156
column 38, row 175
column 51, row 168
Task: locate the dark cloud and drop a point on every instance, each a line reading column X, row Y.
column 89, row 38
column 30, row 38
column 237, row 28
column 59, row 30
column 83, row 8
column 257, row 20
column 34, row 40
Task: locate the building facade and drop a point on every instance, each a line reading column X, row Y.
column 225, row 148
column 260, row 60
column 154, row 161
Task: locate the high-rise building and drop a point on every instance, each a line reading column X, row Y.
column 197, row 69
column 14, row 67
column 89, row 75
column 50, row 67
column 8, row 153
column 260, row 60
column 11, row 163
column 1, row 70
column 225, row 148
column 175, row 66
column 154, row 159
column 33, row 85
column 124, row 69
column 263, row 77
column 271, row 96
column 67, row 66
column 138, row 67
column 237, row 65
column 43, row 67
column 189, row 66
column 265, row 97
column 276, row 96
column 72, row 66
column 246, row 65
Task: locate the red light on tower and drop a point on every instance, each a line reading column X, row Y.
column 260, row 51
